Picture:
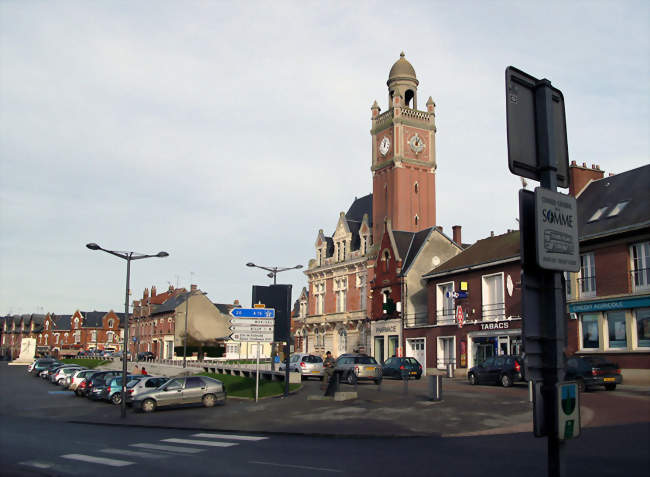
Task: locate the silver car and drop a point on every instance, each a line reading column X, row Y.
column 59, row 376
column 145, row 384
column 308, row 365
column 178, row 391
column 353, row 367
column 78, row 376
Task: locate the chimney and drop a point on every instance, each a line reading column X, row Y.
column 456, row 233
column 581, row 176
column 153, row 291
column 491, row 233
column 236, row 302
column 193, row 287
column 145, row 295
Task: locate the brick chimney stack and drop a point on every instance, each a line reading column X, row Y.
column 193, row 287
column 153, row 291
column 236, row 303
column 581, row 176
column 456, row 234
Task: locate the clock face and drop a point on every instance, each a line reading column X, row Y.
column 384, row 146
column 417, row 145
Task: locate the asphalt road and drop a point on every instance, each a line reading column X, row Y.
column 33, row 442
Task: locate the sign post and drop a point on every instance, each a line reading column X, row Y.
column 538, row 149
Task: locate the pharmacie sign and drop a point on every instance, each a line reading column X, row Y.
column 496, row 325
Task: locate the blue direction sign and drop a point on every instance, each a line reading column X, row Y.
column 253, row 312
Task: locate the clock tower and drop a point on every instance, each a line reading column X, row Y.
column 403, row 156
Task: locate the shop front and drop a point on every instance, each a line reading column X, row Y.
column 386, row 336
column 492, row 339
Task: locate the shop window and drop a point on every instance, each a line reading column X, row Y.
column 587, row 275
column 590, row 335
column 393, row 345
column 616, row 328
column 643, row 327
column 640, row 256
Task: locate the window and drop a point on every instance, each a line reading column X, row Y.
column 587, row 275
column 643, row 327
column 589, row 331
column 343, row 340
column 109, row 337
column 618, row 208
column 319, row 297
column 567, row 284
column 56, row 338
column 416, row 188
column 110, row 323
column 616, row 328
column 194, row 382
column 598, row 214
column 640, row 257
column 493, row 302
column 77, row 337
column 386, row 260
column 340, row 290
column 93, row 335
column 417, row 219
column 445, row 302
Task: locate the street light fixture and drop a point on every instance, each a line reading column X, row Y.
column 128, row 256
column 273, row 271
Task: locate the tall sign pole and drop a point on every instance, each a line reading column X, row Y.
column 537, row 149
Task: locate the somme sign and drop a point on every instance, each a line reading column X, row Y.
column 556, row 230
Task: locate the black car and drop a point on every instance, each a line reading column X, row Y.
column 146, row 356
column 96, row 384
column 593, row 371
column 504, row 370
column 401, row 367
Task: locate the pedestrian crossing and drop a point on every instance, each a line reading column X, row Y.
column 167, row 447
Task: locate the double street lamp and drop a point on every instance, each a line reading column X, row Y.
column 273, row 271
column 128, row 256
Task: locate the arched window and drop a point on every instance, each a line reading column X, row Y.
column 386, row 259
column 417, row 220
column 416, row 188
column 343, row 340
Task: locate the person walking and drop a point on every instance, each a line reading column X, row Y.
column 328, row 367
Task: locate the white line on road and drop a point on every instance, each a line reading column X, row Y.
column 324, row 469
column 183, row 450
column 229, row 436
column 201, row 443
column 131, row 453
column 98, row 460
column 38, row 465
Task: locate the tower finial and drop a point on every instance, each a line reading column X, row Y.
column 402, row 55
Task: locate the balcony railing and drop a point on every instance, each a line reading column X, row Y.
column 641, row 278
column 587, row 285
column 494, row 311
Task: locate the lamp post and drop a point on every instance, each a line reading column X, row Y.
column 128, row 256
column 273, row 273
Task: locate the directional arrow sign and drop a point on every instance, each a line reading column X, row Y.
column 251, row 329
column 252, row 321
column 266, row 337
column 253, row 312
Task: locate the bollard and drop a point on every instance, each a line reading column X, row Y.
column 450, row 370
column 435, row 387
column 530, row 391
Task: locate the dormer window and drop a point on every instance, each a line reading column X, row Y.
column 618, row 208
column 110, row 323
column 598, row 214
column 76, row 322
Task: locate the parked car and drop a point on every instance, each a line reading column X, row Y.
column 63, row 373
column 593, row 371
column 98, row 382
column 180, row 391
column 51, row 372
column 113, row 391
column 146, row 356
column 398, row 367
column 353, row 367
column 504, row 370
column 135, row 388
column 78, row 377
column 308, row 365
column 43, row 364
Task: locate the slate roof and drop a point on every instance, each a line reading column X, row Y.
column 61, row 322
column 359, row 207
column 632, row 186
column 414, row 248
column 225, row 307
column 171, row 304
column 93, row 319
column 483, row 252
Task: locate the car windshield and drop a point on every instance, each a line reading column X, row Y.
column 365, row 360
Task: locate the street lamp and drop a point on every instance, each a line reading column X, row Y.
column 273, row 271
column 128, row 256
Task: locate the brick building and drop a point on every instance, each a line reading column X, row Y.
column 13, row 328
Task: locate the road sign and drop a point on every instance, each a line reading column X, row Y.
column 251, row 329
column 556, row 231
column 523, row 124
column 459, row 316
column 264, row 337
column 253, row 321
column 459, row 294
column 568, row 403
column 253, row 312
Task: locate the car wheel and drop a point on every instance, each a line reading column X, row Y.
column 506, row 381
column 351, row 378
column 60, row 382
column 116, row 398
column 472, row 378
column 610, row 387
column 149, row 405
column 209, row 400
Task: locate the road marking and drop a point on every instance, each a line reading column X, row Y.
column 324, row 469
column 98, row 460
column 184, row 450
column 132, row 453
column 38, row 465
column 201, row 443
column 229, row 436
column 60, row 392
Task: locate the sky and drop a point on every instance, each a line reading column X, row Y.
column 227, row 132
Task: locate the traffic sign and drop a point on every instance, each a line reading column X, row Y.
column 242, row 336
column 253, row 312
column 253, row 321
column 556, row 231
column 251, row 328
column 568, row 410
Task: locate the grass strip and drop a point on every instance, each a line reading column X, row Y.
column 85, row 362
column 241, row 386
